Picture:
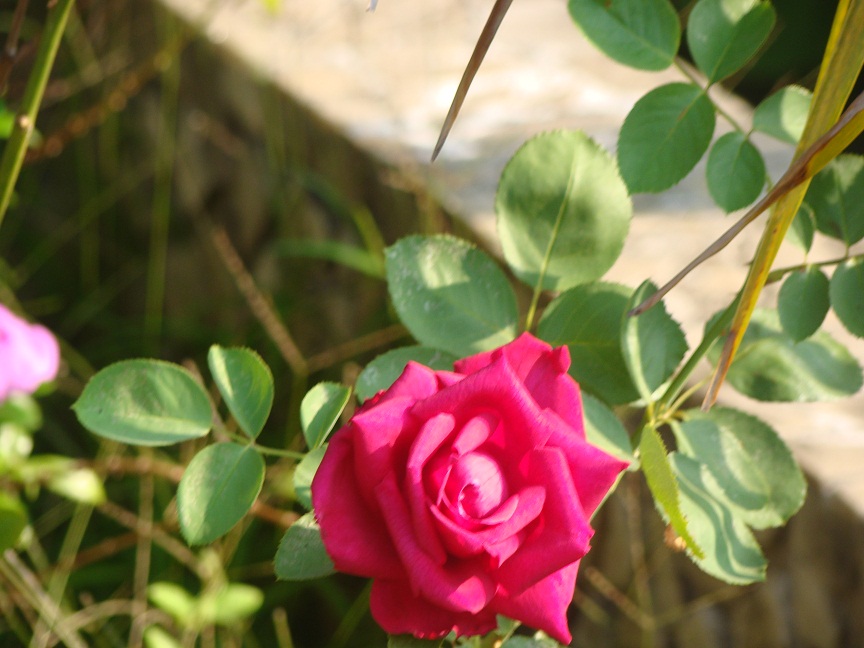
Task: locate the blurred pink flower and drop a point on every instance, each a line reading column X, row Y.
column 29, row 355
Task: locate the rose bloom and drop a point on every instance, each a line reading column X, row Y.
column 29, row 355
column 467, row 494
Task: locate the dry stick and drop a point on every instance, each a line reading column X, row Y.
column 354, row 347
column 800, row 170
column 143, row 555
column 106, row 609
column 28, row 584
column 258, row 303
column 10, row 50
column 480, row 49
column 608, row 589
column 170, row 544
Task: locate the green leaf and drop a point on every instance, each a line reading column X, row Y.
column 803, row 227
column 724, row 34
column 784, row 113
column 144, row 402
column 770, row 366
column 156, row 637
column 174, row 600
column 13, row 520
column 663, row 486
column 409, row 641
column 16, row 445
column 666, row 133
column 217, row 489
column 653, row 343
column 450, row 295
column 754, row 472
column 847, row 295
column 643, row 34
column 301, row 554
column 604, row 430
column 345, row 254
column 731, row 553
column 735, row 172
column 803, row 302
column 563, row 211
column 234, row 603
column 387, row 367
column 836, row 195
column 588, row 320
column 246, row 384
column 22, row 410
column 63, row 476
column 81, row 485
column 320, row 409
column 304, row 473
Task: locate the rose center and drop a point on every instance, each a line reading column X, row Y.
column 475, row 485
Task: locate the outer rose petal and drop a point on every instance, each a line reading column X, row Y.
column 381, row 434
column 494, row 388
column 397, row 610
column 594, row 472
column 355, row 536
column 543, row 371
column 416, row 381
column 544, row 605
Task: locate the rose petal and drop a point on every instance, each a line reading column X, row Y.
column 475, row 432
column 476, row 486
column 544, row 605
column 542, row 369
column 432, row 434
column 416, row 381
column 397, row 610
column 383, row 435
column 497, row 539
column 594, row 471
column 355, row 536
column 564, row 534
column 462, row 585
column 496, row 388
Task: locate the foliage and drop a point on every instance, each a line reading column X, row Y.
column 563, row 211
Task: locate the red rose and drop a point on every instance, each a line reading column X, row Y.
column 466, row 494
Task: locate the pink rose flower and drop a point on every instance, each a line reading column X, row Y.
column 29, row 355
column 467, row 494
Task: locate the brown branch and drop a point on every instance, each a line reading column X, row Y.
column 10, row 50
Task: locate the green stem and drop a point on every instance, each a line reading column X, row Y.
column 687, row 72
column 161, row 214
column 276, row 452
column 779, row 273
column 25, row 122
column 683, row 374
